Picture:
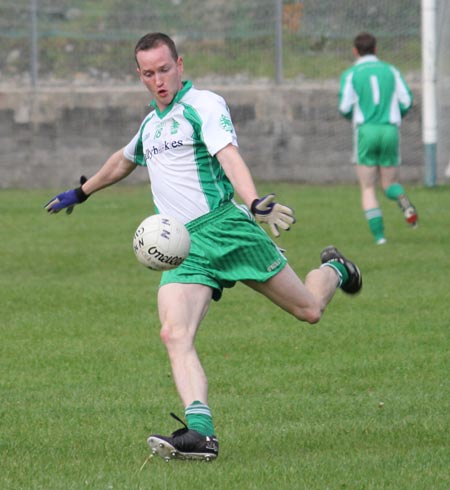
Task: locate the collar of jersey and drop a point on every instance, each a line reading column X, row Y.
column 367, row 58
column 187, row 84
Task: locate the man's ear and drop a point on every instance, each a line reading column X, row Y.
column 180, row 64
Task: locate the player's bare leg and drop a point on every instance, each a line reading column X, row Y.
column 367, row 177
column 388, row 176
column 181, row 309
column 308, row 301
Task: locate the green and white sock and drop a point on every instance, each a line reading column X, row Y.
column 339, row 269
column 198, row 416
column 374, row 218
column 394, row 191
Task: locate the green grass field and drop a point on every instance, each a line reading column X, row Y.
column 359, row 401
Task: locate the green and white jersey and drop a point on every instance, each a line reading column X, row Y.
column 178, row 147
column 372, row 91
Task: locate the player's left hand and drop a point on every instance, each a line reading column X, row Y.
column 273, row 213
column 67, row 200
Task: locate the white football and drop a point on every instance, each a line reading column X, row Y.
column 161, row 242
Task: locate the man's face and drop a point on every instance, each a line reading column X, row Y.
column 160, row 73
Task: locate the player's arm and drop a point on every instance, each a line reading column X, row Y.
column 116, row 168
column 347, row 97
column 404, row 93
column 265, row 209
column 238, row 173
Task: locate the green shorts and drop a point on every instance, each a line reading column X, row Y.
column 377, row 144
column 227, row 246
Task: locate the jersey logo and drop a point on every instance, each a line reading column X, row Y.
column 225, row 123
column 158, row 131
column 163, row 146
column 174, row 127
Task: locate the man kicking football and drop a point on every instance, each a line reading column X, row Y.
column 189, row 146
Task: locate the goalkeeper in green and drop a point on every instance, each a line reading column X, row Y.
column 374, row 95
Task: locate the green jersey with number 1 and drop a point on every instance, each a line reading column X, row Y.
column 374, row 92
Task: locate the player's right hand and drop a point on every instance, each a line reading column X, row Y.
column 67, row 200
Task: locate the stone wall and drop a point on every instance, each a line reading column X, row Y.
column 49, row 137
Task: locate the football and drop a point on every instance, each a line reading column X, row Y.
column 161, row 242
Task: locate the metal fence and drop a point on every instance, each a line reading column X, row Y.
column 89, row 41
column 46, row 43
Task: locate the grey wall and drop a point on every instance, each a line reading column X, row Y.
column 49, row 137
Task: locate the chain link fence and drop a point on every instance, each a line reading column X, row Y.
column 86, row 41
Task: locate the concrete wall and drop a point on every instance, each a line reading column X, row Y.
column 51, row 136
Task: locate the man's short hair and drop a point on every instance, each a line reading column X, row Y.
column 154, row 40
column 365, row 43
